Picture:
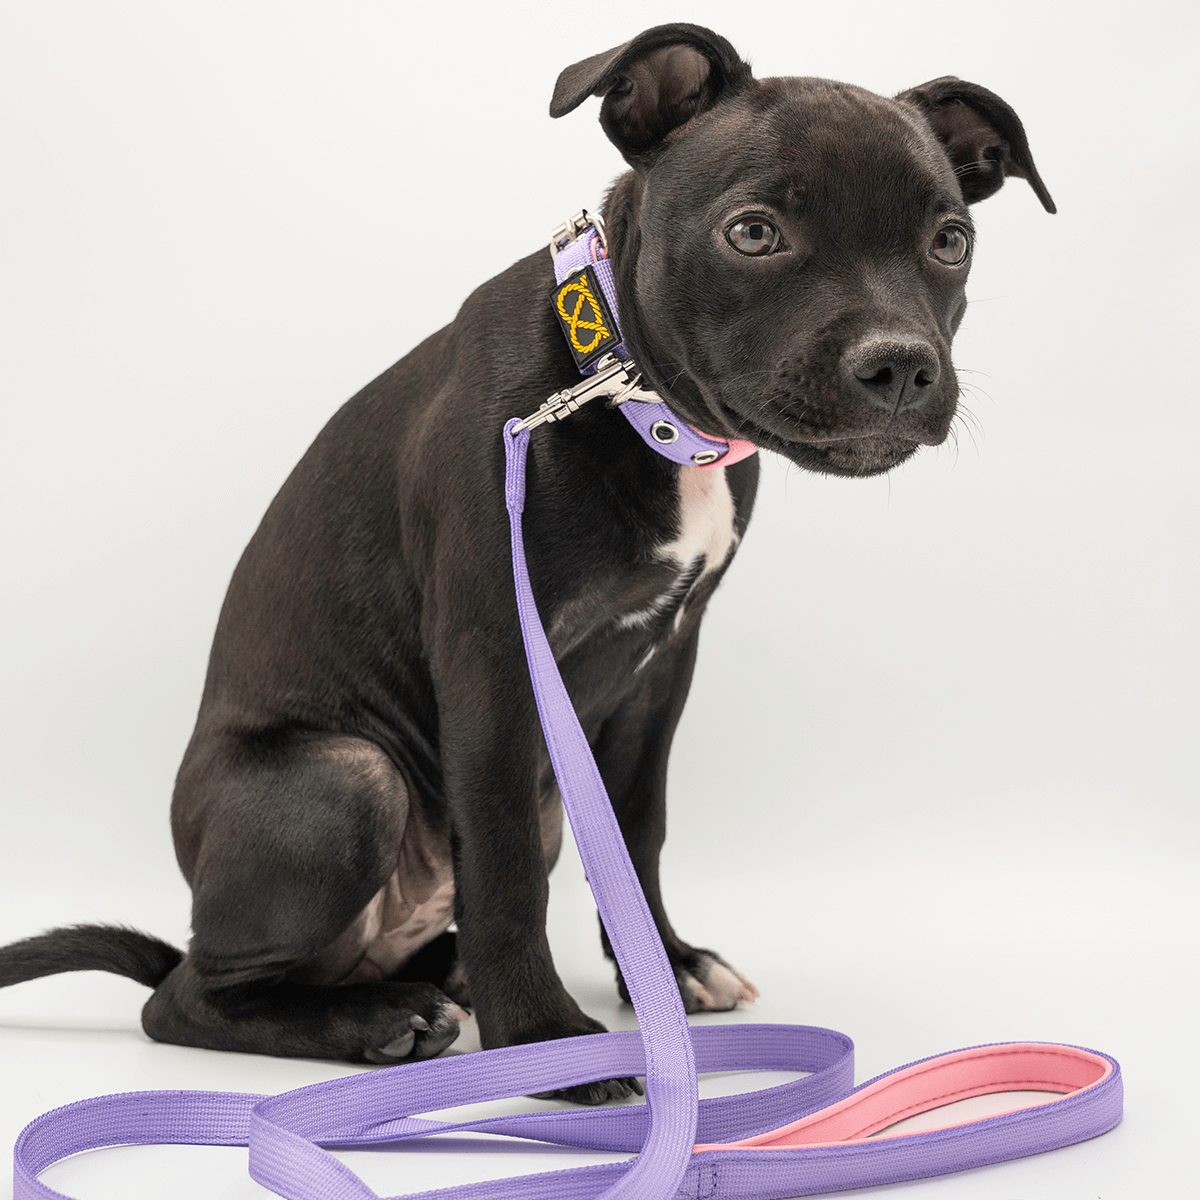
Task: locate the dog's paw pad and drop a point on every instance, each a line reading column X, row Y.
column 711, row 985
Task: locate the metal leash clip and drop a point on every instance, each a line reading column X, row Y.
column 617, row 378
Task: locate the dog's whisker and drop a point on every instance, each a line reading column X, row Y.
column 968, row 417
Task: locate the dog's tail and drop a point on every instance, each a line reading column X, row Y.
column 89, row 948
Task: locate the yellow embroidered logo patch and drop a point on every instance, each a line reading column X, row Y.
column 584, row 316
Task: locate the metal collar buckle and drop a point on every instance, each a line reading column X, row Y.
column 570, row 229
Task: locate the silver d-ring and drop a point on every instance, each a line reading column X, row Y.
column 664, row 432
column 703, row 457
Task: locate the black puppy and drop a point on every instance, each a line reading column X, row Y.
column 367, row 767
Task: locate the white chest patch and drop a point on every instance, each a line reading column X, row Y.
column 705, row 539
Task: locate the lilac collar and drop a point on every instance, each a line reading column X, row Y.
column 585, row 303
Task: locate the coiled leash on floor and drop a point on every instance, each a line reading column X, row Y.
column 812, row 1135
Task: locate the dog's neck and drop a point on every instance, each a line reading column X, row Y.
column 585, row 303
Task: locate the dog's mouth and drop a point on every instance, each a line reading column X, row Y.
column 853, row 454
column 856, row 456
column 872, row 455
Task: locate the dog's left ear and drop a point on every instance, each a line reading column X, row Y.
column 652, row 85
column 984, row 139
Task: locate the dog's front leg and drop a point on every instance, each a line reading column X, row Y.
column 632, row 752
column 490, row 742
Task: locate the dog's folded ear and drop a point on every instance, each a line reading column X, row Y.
column 984, row 139
column 652, row 85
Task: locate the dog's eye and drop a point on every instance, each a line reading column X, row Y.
column 951, row 246
column 752, row 235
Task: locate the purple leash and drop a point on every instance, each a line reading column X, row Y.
column 805, row 1137
column 808, row 1136
column 671, row 1094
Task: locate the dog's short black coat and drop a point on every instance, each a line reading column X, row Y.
column 367, row 766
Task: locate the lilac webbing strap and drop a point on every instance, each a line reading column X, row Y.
column 809, row 1136
column 670, row 1067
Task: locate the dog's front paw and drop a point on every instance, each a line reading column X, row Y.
column 599, row 1091
column 419, row 1034
column 709, row 984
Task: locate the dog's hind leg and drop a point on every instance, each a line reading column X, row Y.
column 288, row 843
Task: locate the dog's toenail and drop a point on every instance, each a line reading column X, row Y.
column 400, row 1047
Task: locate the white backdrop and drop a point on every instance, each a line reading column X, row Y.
column 936, row 784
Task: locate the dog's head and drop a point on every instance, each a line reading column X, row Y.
column 791, row 255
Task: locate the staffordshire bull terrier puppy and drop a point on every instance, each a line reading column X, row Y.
column 790, row 258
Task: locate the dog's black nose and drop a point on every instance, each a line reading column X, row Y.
column 896, row 374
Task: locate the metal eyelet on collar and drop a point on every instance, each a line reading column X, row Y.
column 703, row 457
column 664, row 432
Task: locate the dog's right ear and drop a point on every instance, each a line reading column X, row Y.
column 652, row 85
column 982, row 136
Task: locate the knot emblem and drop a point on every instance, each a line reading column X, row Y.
column 584, row 316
